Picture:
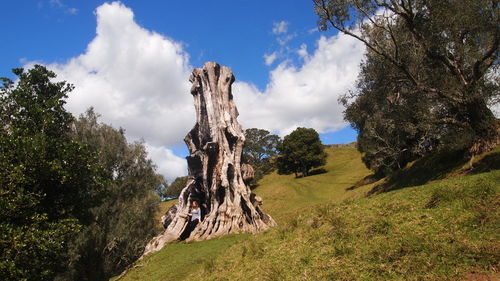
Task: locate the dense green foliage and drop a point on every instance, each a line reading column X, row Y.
column 123, row 221
column 175, row 188
column 259, row 150
column 430, row 71
column 77, row 199
column 395, row 125
column 48, row 182
column 300, row 151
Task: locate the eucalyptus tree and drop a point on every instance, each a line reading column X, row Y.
column 441, row 61
column 123, row 221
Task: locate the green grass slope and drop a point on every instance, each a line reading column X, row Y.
column 284, row 195
column 442, row 230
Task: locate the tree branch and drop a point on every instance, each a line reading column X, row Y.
column 371, row 46
column 394, row 41
column 477, row 73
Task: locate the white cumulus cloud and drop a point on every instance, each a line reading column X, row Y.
column 304, row 96
column 169, row 165
column 302, row 52
column 136, row 79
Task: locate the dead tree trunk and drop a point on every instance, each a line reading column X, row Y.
column 217, row 178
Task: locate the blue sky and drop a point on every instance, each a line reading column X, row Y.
column 232, row 32
column 131, row 59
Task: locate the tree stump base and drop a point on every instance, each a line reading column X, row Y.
column 217, row 178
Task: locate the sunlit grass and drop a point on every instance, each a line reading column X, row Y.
column 440, row 230
column 162, row 209
column 176, row 261
column 284, row 195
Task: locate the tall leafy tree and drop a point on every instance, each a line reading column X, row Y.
column 175, row 188
column 162, row 188
column 123, row 222
column 300, row 151
column 394, row 125
column 443, row 52
column 259, row 150
column 48, row 181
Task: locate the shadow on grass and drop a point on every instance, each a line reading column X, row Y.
column 366, row 180
column 312, row 173
column 432, row 167
column 487, row 163
column 317, row 171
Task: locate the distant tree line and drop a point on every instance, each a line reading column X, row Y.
column 430, row 71
column 77, row 199
column 260, row 150
column 173, row 190
column 297, row 153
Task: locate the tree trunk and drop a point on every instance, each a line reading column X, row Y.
column 485, row 126
column 217, row 178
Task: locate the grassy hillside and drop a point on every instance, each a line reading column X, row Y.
column 442, row 230
column 164, row 206
column 284, row 196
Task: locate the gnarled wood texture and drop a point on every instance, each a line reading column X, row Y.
column 217, row 178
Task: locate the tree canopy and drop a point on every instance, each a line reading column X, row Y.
column 123, row 220
column 300, row 151
column 48, row 182
column 260, row 147
column 175, row 188
column 431, row 69
column 394, row 128
column 78, row 201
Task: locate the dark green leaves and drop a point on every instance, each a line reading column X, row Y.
column 300, row 151
column 427, row 78
column 47, row 181
column 259, row 150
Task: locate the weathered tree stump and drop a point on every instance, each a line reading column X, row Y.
column 217, row 178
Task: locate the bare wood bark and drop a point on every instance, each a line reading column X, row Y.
column 217, row 178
